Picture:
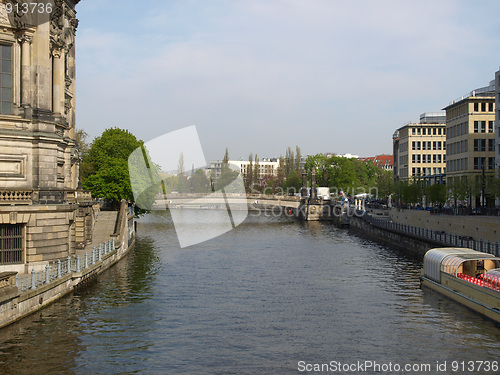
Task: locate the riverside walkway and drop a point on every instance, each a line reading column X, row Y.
column 25, row 294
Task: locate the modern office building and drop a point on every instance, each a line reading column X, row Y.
column 470, row 139
column 497, row 128
column 419, row 149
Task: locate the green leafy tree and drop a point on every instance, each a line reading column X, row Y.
column 105, row 168
column 293, row 183
column 298, row 159
column 436, row 194
column 199, row 183
column 227, row 175
column 457, row 190
column 384, row 183
column 256, row 171
column 412, row 193
column 324, row 169
column 249, row 176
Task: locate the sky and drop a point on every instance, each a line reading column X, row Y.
column 259, row 76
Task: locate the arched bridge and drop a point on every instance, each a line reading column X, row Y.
column 217, row 199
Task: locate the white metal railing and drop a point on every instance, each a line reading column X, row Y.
column 440, row 236
column 63, row 267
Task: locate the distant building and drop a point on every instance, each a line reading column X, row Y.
column 348, row 156
column 266, row 167
column 470, row 137
column 497, row 127
column 419, row 150
column 383, row 161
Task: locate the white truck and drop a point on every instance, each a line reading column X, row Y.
column 323, row 192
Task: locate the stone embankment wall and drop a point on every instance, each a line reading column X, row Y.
column 408, row 243
column 16, row 303
column 486, row 228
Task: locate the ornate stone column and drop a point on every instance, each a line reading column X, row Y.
column 25, row 41
column 303, row 192
column 313, row 184
column 58, row 81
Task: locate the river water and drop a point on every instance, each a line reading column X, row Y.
column 273, row 296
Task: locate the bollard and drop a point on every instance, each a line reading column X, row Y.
column 86, row 261
column 100, row 252
column 58, row 268
column 69, row 264
column 78, row 264
column 33, row 282
column 93, row 254
column 47, row 274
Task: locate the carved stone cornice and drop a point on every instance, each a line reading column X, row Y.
column 24, row 38
column 56, row 51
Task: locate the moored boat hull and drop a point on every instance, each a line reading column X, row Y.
column 473, row 296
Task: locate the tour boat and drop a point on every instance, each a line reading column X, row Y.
column 469, row 277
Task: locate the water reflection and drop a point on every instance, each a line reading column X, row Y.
column 255, row 300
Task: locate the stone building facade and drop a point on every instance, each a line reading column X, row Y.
column 420, row 151
column 470, row 134
column 43, row 216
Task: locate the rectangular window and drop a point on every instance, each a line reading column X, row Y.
column 490, row 126
column 483, row 126
column 479, row 144
column 491, row 163
column 491, row 145
column 476, row 107
column 476, row 126
column 483, row 107
column 490, row 105
column 413, row 131
column 419, row 130
column 434, row 131
column 5, row 79
column 479, row 162
column 11, row 243
column 439, row 131
column 423, row 131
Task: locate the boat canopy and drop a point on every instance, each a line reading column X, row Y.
column 449, row 259
column 491, row 279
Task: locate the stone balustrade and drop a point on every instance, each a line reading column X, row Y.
column 8, row 196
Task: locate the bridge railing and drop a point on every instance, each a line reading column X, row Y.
column 60, row 268
column 231, row 195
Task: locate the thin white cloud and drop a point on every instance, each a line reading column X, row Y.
column 324, row 66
